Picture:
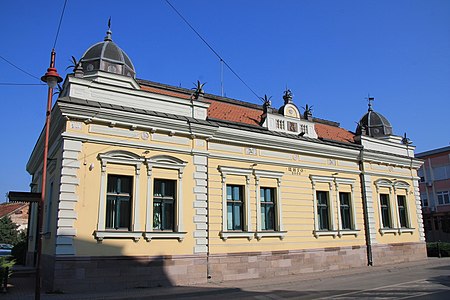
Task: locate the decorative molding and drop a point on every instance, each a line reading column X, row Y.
column 224, row 147
column 275, row 154
column 95, row 128
column 170, row 139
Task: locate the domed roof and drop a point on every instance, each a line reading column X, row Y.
column 107, row 56
column 373, row 124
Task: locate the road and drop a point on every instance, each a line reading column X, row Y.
column 410, row 281
column 428, row 279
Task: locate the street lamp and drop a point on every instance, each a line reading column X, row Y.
column 52, row 78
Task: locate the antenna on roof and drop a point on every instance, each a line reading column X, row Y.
column 221, row 77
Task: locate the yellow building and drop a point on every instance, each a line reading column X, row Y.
column 150, row 184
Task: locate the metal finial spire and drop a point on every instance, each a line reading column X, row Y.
column 287, row 96
column 108, row 33
column 370, row 99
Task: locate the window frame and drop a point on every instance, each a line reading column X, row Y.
column 334, row 205
column 246, row 231
column 395, row 188
column 443, row 195
column 164, row 200
column 234, row 202
column 278, row 214
column 168, row 163
column 403, row 220
column 385, row 210
column 348, row 208
column 119, row 157
column 269, row 211
column 117, row 205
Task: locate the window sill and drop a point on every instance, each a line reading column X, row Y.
column 335, row 233
column 384, row 231
column 406, row 230
column 280, row 234
column 100, row 235
column 236, row 234
column 354, row 232
column 396, row 231
column 164, row 235
column 318, row 233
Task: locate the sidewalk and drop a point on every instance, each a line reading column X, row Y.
column 22, row 287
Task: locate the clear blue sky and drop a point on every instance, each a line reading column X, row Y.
column 331, row 54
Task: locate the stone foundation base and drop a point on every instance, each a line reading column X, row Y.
column 70, row 274
column 236, row 266
column 398, row 253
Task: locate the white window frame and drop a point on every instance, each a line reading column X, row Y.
column 120, row 158
column 394, row 187
column 443, row 193
column 279, row 230
column 247, row 228
column 335, row 217
column 170, row 163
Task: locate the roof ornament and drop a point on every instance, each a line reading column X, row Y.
column 308, row 112
column 288, row 96
column 370, row 100
column 266, row 100
column 406, row 141
column 108, row 33
column 198, row 90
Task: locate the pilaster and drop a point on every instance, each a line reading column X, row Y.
column 65, row 228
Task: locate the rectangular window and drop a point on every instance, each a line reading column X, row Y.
column 323, row 210
column 402, row 213
column 385, row 211
column 345, row 209
column 267, row 208
column 164, row 192
column 235, row 206
column 118, row 202
column 443, row 198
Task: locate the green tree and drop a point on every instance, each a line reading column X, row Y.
column 8, row 231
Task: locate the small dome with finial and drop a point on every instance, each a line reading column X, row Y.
column 107, row 56
column 373, row 124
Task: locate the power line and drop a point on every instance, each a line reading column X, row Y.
column 59, row 25
column 212, row 49
column 19, row 68
column 11, row 83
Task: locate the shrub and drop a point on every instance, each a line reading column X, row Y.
column 434, row 248
column 19, row 252
column 5, row 263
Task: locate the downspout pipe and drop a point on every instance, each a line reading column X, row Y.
column 365, row 208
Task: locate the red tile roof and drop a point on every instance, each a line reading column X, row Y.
column 234, row 113
column 334, row 133
column 8, row 208
column 241, row 112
